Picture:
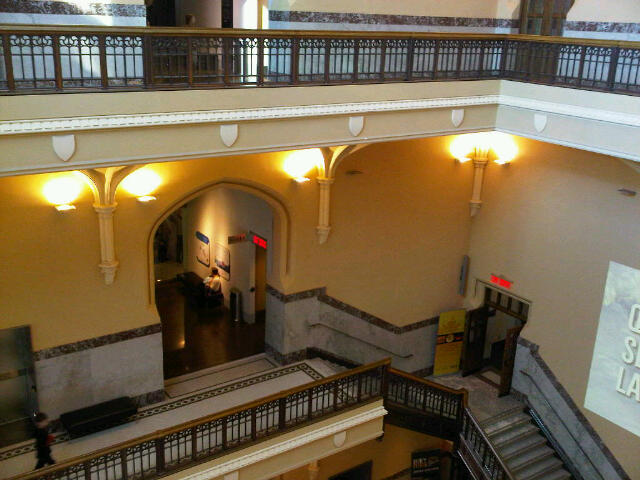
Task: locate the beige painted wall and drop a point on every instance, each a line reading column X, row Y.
column 403, row 223
column 390, row 455
column 626, row 11
column 551, row 222
column 463, row 8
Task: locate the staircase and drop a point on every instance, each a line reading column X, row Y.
column 523, row 447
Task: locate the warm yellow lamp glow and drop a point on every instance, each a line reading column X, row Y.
column 300, row 162
column 62, row 191
column 500, row 146
column 142, row 183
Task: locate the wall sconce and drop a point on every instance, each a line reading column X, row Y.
column 142, row 183
column 300, row 162
column 480, row 147
column 62, row 191
column 484, row 146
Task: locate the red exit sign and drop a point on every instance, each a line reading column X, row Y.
column 259, row 241
column 501, row 282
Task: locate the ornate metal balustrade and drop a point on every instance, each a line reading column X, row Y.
column 477, row 453
column 63, row 59
column 423, row 405
column 168, row 450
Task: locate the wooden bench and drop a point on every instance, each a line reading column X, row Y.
column 98, row 417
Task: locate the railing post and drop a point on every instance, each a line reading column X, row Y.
column 147, row 53
column 190, row 61
column 359, row 394
column 8, row 62
column 194, row 443
column 327, row 62
column 459, row 59
column 384, row 381
column 123, row 464
column 383, row 58
column 356, row 57
column 87, row 470
column 224, row 433
column 102, row 49
column 613, row 68
column 254, row 434
column 159, row 455
column 436, row 52
column 310, row 404
column 481, row 60
column 227, row 59
column 260, row 62
column 410, row 47
column 295, row 52
column 335, row 395
column 57, row 66
column 282, row 412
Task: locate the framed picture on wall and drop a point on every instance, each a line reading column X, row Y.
column 223, row 261
column 203, row 254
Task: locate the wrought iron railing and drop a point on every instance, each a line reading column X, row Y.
column 168, row 450
column 478, row 453
column 423, row 405
column 71, row 59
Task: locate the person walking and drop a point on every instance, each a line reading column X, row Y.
column 43, row 441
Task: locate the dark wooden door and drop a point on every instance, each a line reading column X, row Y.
column 475, row 332
column 508, row 359
column 544, row 17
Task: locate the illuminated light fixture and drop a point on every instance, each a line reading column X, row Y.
column 300, row 162
column 142, row 183
column 484, row 145
column 481, row 147
column 62, row 191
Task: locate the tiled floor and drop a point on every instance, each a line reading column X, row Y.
column 219, row 396
column 484, row 402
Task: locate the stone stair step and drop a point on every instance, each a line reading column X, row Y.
column 512, row 434
column 524, row 458
column 539, row 469
column 508, row 413
column 506, row 423
column 520, row 446
column 560, row 474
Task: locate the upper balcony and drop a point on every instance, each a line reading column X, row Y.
column 53, row 59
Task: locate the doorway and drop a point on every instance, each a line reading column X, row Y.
column 18, row 399
column 491, row 336
column 203, row 329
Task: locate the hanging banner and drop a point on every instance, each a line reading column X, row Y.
column 613, row 391
column 449, row 342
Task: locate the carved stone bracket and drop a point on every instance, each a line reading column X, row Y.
column 104, row 185
column 480, row 161
column 333, row 156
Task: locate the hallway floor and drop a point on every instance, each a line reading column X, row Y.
column 483, row 397
column 195, row 336
column 213, row 392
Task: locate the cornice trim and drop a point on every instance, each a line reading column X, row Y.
column 69, row 124
column 287, row 445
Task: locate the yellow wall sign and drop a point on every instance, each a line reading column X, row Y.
column 449, row 342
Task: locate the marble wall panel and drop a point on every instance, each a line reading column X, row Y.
column 79, row 379
column 582, row 445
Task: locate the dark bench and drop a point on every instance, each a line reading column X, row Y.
column 98, row 417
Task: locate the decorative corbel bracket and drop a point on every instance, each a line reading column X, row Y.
column 333, row 156
column 480, row 160
column 104, row 185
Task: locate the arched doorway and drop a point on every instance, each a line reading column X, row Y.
column 233, row 229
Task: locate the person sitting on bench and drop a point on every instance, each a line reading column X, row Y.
column 213, row 287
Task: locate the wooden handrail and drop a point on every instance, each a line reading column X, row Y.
column 365, row 34
column 158, row 434
column 439, row 386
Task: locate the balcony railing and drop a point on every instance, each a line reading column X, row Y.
column 56, row 59
column 166, row 451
